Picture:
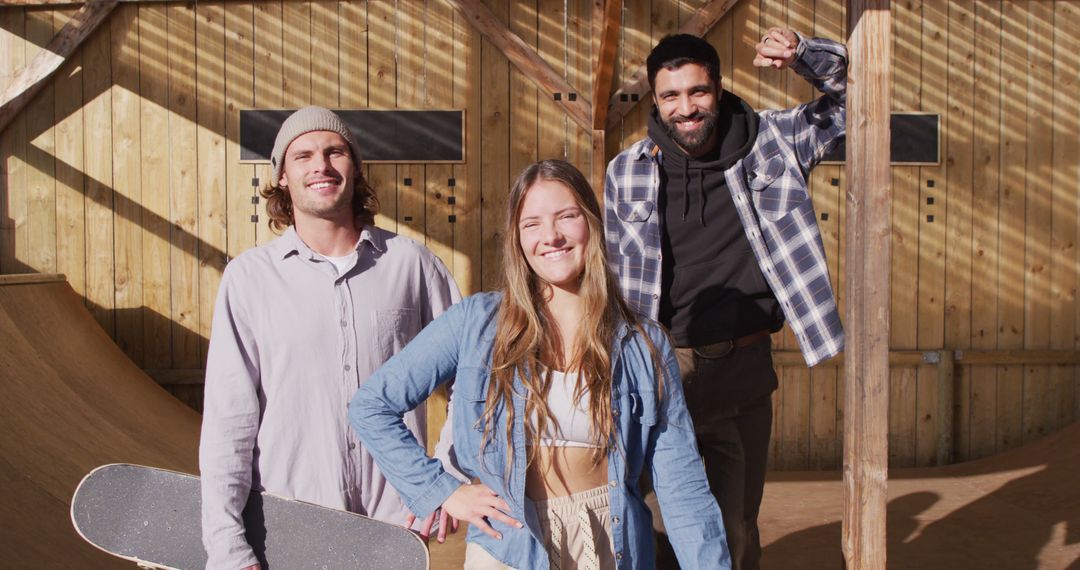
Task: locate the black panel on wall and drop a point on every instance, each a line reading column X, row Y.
column 915, row 137
column 384, row 135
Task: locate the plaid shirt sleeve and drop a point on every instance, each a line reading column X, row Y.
column 817, row 127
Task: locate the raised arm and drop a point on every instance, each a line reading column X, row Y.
column 814, row 127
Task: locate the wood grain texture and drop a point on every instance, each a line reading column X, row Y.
column 867, row 277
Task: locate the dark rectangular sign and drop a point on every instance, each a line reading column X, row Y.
column 395, row 135
column 916, row 139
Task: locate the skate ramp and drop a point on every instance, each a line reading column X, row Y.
column 70, row 400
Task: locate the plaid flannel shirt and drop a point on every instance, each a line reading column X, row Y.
column 769, row 190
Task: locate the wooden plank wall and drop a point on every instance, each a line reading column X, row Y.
column 123, row 173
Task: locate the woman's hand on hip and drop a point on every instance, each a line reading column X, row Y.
column 477, row 504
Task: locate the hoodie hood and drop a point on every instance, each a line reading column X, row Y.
column 736, row 132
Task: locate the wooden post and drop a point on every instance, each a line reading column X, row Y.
column 946, row 406
column 606, row 18
column 866, row 394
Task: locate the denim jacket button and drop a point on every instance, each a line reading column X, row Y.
column 615, row 520
column 613, row 484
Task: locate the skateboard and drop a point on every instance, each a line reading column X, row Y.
column 152, row 517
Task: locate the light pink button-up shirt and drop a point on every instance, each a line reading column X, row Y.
column 292, row 341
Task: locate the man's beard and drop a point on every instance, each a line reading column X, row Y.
column 694, row 141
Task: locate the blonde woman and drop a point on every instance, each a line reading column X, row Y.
column 562, row 399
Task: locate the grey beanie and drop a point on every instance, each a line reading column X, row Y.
column 304, row 121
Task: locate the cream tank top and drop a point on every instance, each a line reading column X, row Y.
column 570, row 427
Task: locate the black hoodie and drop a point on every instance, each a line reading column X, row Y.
column 713, row 289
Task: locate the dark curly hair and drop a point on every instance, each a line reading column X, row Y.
column 279, row 206
column 677, row 50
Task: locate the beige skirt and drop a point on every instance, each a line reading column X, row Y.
column 577, row 528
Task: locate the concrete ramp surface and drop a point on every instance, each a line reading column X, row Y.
column 71, row 400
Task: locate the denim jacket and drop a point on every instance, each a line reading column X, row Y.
column 654, row 431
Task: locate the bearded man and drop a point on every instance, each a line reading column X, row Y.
column 711, row 231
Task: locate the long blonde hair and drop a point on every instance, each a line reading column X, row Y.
column 527, row 344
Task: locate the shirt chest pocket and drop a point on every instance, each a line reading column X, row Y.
column 776, row 187
column 643, row 406
column 633, row 216
column 394, row 328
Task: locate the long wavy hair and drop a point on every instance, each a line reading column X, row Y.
column 279, row 205
column 527, row 342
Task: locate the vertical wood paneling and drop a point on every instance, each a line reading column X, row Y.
column 439, row 55
column 210, row 109
column 1011, row 283
column 494, row 152
column 411, row 85
column 183, row 184
column 97, row 121
column 270, row 79
column 958, row 283
column 907, row 75
column 523, row 94
column 382, row 94
column 1037, row 386
column 579, row 72
column 127, row 181
column 40, row 156
column 239, row 94
column 934, row 197
column 1066, row 197
column 154, row 166
column 634, row 46
column 13, row 234
column 70, row 206
column 325, row 64
column 551, row 121
column 468, row 86
column 985, row 240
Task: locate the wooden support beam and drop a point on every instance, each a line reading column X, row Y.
column 526, row 60
column 33, row 77
column 946, row 406
column 866, row 374
column 609, row 16
column 636, row 88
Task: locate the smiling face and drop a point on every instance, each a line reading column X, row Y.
column 553, row 233
column 687, row 101
column 319, row 174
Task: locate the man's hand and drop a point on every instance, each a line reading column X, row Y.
column 776, row 49
column 476, row 503
column 445, row 521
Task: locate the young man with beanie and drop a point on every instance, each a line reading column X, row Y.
column 299, row 325
column 712, row 232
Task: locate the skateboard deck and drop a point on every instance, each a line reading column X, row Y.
column 152, row 517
